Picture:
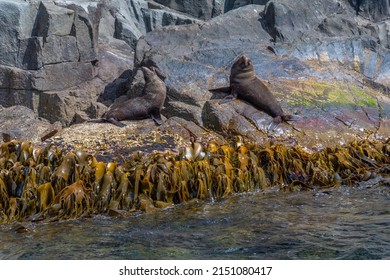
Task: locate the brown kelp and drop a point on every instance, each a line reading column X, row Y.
column 38, row 183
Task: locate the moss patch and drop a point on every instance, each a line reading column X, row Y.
column 313, row 93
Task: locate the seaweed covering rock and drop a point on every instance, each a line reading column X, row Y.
column 39, row 183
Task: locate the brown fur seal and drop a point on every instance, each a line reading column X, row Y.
column 145, row 106
column 245, row 85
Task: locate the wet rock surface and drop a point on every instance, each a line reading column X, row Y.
column 325, row 61
column 66, row 62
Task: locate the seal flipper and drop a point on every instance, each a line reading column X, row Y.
column 156, row 116
column 226, row 90
column 115, row 122
column 287, row 118
column 101, row 120
column 231, row 97
column 275, row 122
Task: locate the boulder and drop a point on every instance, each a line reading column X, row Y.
column 70, row 106
column 283, row 19
column 16, row 22
column 197, row 58
column 86, row 31
column 234, row 4
column 21, row 123
column 202, row 9
column 376, row 11
column 59, row 49
column 326, row 61
column 331, row 32
column 53, row 20
column 62, row 76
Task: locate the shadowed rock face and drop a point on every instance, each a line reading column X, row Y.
column 234, row 4
column 372, row 10
column 323, row 48
column 202, row 9
column 325, row 60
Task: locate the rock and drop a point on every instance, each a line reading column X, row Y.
column 59, row 49
column 30, row 53
column 326, row 61
column 135, row 18
column 283, row 19
column 16, row 22
column 202, row 9
column 86, row 26
column 373, row 10
column 53, row 20
column 330, row 32
column 62, row 76
column 115, row 60
column 69, row 106
column 234, row 4
column 155, row 18
column 22, row 123
column 236, row 118
column 195, row 57
column 16, row 88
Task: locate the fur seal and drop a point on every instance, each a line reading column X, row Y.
column 145, row 106
column 244, row 84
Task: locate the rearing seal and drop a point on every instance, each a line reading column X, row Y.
column 245, row 85
column 145, row 106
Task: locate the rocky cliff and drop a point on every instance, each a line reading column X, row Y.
column 325, row 60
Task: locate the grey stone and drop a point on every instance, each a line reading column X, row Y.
column 86, row 31
column 228, row 118
column 140, row 17
column 234, row 4
column 30, row 53
column 184, row 111
column 202, row 9
column 373, row 10
column 106, row 26
column 16, row 22
column 59, row 49
column 22, row 123
column 53, row 20
column 68, row 107
column 62, row 76
column 126, row 31
column 154, row 19
column 283, row 19
column 197, row 57
column 25, row 97
column 114, row 60
column 14, row 78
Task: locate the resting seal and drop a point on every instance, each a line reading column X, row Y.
column 145, row 106
column 245, row 85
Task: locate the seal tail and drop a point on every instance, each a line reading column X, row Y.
column 115, row 122
column 285, row 118
column 96, row 120
column 109, row 120
column 275, row 122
